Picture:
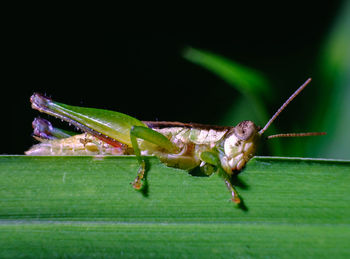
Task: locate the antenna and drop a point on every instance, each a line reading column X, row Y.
column 307, row 134
column 284, row 106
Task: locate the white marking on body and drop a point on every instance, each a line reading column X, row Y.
column 214, row 135
column 202, row 136
column 229, row 144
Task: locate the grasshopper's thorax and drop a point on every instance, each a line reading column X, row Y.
column 239, row 146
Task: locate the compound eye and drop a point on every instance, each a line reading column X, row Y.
column 245, row 130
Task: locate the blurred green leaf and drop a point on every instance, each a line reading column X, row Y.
column 332, row 113
column 252, row 84
column 85, row 207
column 244, row 79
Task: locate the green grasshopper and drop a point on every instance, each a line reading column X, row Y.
column 220, row 149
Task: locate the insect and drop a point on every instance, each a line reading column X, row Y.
column 220, row 149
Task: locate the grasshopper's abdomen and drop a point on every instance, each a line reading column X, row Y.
column 82, row 144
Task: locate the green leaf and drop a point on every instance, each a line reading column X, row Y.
column 86, row 207
column 246, row 80
column 249, row 82
column 332, row 108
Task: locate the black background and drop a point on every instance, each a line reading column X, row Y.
column 135, row 66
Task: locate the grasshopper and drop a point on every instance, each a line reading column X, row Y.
column 221, row 149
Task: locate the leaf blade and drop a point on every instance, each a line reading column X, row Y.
column 82, row 206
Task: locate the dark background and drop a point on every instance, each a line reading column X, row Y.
column 139, row 69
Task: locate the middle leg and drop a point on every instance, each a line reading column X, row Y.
column 154, row 137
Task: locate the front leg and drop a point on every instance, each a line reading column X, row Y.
column 154, row 137
column 212, row 158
